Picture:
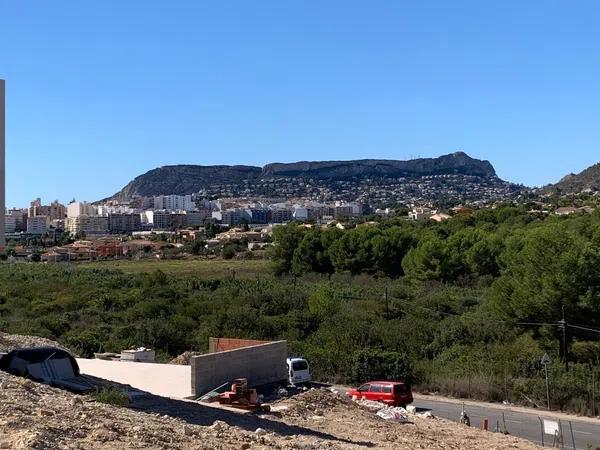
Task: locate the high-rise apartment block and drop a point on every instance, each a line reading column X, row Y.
column 124, row 223
column 174, row 202
column 54, row 211
column 37, row 224
column 76, row 209
column 88, row 225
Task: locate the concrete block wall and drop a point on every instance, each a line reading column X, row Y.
column 260, row 364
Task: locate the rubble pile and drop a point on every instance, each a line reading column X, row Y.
column 10, row 342
column 185, row 358
column 316, row 402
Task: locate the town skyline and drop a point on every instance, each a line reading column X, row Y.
column 74, row 197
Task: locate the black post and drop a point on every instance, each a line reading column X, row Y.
column 387, row 305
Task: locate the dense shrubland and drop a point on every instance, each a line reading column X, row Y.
column 462, row 314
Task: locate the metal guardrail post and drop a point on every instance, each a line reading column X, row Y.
column 572, row 436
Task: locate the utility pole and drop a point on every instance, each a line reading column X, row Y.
column 563, row 325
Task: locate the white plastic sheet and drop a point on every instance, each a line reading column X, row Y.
column 397, row 414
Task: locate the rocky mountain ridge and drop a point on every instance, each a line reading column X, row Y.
column 586, row 180
column 187, row 179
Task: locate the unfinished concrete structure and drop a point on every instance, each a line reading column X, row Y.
column 2, row 166
column 260, row 364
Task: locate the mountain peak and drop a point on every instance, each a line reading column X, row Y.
column 588, row 179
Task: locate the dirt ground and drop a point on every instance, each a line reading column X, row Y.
column 36, row 416
column 9, row 342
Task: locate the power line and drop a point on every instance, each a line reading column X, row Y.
column 584, row 328
column 535, row 324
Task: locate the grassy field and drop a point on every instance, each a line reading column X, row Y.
column 213, row 268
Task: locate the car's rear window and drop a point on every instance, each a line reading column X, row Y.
column 401, row 389
column 299, row 365
column 387, row 389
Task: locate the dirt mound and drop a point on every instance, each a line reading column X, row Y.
column 316, row 402
column 10, row 342
column 36, row 416
column 185, row 358
column 358, row 426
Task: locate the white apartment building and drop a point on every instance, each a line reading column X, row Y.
column 77, row 209
column 421, row 213
column 88, row 224
column 174, row 202
column 37, row 224
column 105, row 210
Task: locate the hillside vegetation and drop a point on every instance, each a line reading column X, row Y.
column 467, row 307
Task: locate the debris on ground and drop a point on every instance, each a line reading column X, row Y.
column 213, row 396
column 369, row 404
column 395, row 413
column 282, row 392
column 48, row 365
column 185, row 358
column 410, row 410
column 355, row 421
column 315, row 402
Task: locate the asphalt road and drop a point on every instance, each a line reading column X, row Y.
column 521, row 424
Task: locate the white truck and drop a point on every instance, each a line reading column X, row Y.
column 298, row 371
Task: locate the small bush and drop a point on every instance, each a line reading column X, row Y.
column 228, row 252
column 112, row 396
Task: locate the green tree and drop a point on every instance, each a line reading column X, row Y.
column 286, row 239
column 311, row 254
column 428, row 260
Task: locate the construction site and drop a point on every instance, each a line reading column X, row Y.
column 158, row 414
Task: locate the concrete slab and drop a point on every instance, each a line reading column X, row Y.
column 166, row 380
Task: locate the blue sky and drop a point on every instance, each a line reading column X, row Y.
column 99, row 92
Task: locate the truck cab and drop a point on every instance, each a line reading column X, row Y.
column 298, row 371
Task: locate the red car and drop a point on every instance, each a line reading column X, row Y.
column 394, row 393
